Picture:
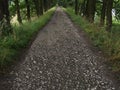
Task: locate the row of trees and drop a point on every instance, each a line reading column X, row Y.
column 92, row 8
column 26, row 8
column 103, row 8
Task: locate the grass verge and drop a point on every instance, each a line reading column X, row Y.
column 108, row 42
column 10, row 46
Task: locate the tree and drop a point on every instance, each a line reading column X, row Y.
column 109, row 14
column 76, row 7
column 4, row 11
column 28, row 9
column 38, row 6
column 117, row 9
column 45, row 5
column 36, row 3
column 1, row 10
column 18, row 11
column 41, row 7
column 103, row 12
column 83, row 7
column 90, row 10
column 5, row 17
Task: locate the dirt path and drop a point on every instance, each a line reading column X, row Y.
column 59, row 59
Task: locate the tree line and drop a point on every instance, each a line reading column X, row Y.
column 92, row 8
column 103, row 8
column 26, row 8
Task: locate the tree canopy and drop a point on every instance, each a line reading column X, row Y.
column 25, row 9
column 105, row 9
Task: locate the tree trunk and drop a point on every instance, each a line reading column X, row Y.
column 109, row 15
column 7, row 14
column 103, row 12
column 49, row 6
column 41, row 7
column 45, row 5
column 18, row 11
column 28, row 9
column 1, row 9
column 76, row 7
column 86, row 14
column 5, row 17
column 90, row 10
column 83, row 7
column 4, row 11
column 36, row 3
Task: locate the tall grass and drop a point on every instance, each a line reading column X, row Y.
column 108, row 42
column 10, row 46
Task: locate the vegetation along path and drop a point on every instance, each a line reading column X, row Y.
column 60, row 59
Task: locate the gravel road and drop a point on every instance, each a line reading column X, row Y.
column 60, row 59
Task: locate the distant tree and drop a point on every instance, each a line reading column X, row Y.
column 117, row 9
column 45, row 5
column 27, row 2
column 109, row 14
column 41, row 7
column 76, row 7
column 18, row 11
column 38, row 6
column 103, row 12
column 90, row 10
column 36, row 3
column 82, row 7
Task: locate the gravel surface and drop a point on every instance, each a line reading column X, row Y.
column 60, row 59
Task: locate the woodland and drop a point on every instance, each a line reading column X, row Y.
column 21, row 19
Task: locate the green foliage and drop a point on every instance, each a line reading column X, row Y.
column 5, row 29
column 11, row 45
column 23, row 10
column 66, row 3
column 108, row 42
column 117, row 9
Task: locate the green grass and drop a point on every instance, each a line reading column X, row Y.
column 108, row 42
column 10, row 46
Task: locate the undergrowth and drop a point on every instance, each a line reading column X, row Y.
column 10, row 46
column 108, row 42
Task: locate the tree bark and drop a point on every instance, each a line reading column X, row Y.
column 76, row 7
column 49, row 4
column 18, row 11
column 90, row 10
column 83, row 7
column 45, row 5
column 28, row 9
column 36, row 3
column 4, row 11
column 103, row 12
column 1, row 9
column 5, row 17
column 41, row 7
column 109, row 15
